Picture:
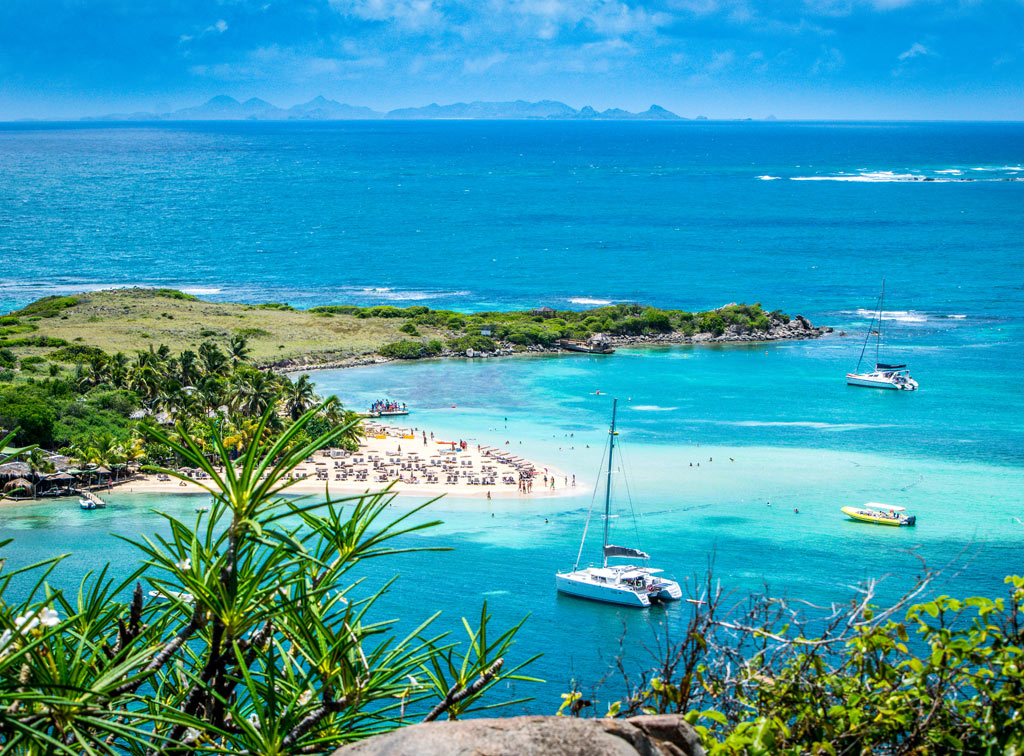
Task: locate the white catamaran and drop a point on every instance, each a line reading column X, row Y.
column 885, row 375
column 628, row 584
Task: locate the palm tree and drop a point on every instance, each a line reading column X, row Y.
column 299, row 396
column 97, row 372
column 254, row 392
column 354, row 431
column 214, row 361
column 188, row 368
column 238, row 348
column 117, row 368
column 144, row 380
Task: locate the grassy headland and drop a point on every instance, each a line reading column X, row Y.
column 81, row 373
column 63, row 330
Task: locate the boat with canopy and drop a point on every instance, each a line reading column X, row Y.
column 881, row 514
column 626, row 584
column 885, row 375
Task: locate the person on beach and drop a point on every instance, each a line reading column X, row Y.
column 574, row 480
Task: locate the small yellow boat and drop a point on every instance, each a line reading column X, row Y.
column 880, row 514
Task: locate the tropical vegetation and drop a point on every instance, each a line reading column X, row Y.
column 99, row 411
column 245, row 630
column 49, row 336
column 919, row 675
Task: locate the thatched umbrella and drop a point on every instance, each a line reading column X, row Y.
column 19, row 483
column 101, row 471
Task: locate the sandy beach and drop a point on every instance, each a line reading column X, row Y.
column 413, row 462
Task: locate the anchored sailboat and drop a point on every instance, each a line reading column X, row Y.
column 628, row 584
column 885, row 375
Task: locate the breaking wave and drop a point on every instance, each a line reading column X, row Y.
column 589, row 301
column 901, row 316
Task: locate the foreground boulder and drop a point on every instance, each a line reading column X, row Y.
column 663, row 735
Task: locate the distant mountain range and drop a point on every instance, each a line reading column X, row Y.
column 224, row 108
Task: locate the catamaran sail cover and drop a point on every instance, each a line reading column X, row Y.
column 623, row 551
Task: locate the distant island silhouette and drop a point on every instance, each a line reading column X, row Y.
column 225, row 108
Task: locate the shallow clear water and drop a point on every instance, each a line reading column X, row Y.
column 470, row 215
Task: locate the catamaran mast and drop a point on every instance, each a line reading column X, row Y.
column 881, row 306
column 877, row 315
column 608, row 485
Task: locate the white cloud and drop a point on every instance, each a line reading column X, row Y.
column 482, row 64
column 412, row 15
column 916, row 50
column 830, row 61
column 220, row 27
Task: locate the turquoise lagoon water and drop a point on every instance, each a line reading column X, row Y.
column 470, row 215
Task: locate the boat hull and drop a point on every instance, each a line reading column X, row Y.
column 868, row 381
column 879, row 519
column 577, row 584
column 608, row 594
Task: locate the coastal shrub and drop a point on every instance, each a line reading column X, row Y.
column 80, row 423
column 7, row 358
column 410, row 329
column 27, row 409
column 710, row 322
column 434, row 347
column 173, row 294
column 475, row 342
column 263, row 637
column 780, row 315
column 8, row 320
column 77, row 353
column 336, row 310
column 404, row 350
column 274, row 306
column 655, row 320
column 249, row 333
column 36, row 341
column 387, row 311
column 20, row 328
column 48, row 307
column 941, row 676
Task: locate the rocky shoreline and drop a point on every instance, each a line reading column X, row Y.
column 798, row 328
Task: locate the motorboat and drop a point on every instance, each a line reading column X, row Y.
column 90, row 500
column 625, row 584
column 596, row 344
column 881, row 514
column 885, row 375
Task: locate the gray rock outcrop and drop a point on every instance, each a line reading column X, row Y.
column 662, row 735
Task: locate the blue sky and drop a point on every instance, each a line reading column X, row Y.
column 858, row 59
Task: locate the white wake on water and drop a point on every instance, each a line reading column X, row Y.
column 589, row 301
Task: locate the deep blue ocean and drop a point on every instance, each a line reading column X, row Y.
column 806, row 217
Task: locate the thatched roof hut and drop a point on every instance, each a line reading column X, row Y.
column 19, row 484
column 16, row 469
